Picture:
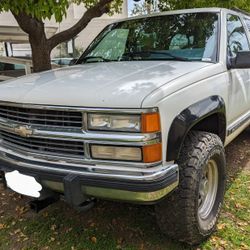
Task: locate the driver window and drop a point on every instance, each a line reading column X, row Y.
column 237, row 38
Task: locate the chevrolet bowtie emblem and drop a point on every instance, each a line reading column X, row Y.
column 24, row 131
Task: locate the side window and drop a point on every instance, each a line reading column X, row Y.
column 237, row 38
column 248, row 23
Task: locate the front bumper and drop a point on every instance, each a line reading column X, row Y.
column 141, row 185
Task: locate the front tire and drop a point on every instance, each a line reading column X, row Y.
column 191, row 212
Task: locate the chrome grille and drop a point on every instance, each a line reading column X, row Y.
column 42, row 117
column 43, row 146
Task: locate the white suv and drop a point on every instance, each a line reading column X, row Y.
column 143, row 117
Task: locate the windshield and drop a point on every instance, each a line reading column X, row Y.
column 181, row 37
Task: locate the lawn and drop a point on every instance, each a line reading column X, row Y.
column 111, row 225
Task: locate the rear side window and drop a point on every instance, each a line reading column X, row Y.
column 237, row 37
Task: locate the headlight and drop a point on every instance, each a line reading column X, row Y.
column 129, row 123
column 144, row 123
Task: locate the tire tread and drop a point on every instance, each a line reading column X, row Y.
column 175, row 214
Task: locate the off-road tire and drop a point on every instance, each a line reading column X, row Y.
column 177, row 215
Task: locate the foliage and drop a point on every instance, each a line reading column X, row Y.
column 144, row 8
column 42, row 9
column 185, row 4
column 148, row 6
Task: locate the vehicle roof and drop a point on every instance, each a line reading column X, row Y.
column 194, row 10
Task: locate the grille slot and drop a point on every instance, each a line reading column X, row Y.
column 42, row 117
column 43, row 146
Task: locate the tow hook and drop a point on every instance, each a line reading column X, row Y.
column 73, row 194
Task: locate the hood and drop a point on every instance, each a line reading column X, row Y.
column 114, row 84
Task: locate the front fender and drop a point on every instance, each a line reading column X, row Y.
column 191, row 116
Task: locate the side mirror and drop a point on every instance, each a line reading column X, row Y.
column 242, row 60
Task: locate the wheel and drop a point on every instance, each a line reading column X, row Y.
column 191, row 212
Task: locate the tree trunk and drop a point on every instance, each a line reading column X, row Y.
column 40, row 46
column 40, row 53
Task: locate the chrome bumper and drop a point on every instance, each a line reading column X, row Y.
column 107, row 182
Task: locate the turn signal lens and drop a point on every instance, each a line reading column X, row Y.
column 151, row 123
column 152, row 153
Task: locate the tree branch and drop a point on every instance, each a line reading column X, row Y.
column 28, row 23
column 97, row 10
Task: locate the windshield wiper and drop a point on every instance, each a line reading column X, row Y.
column 150, row 52
column 98, row 59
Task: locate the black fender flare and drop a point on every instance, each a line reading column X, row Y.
column 191, row 116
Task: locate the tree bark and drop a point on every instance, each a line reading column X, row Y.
column 40, row 54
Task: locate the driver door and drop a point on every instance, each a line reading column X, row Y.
column 239, row 89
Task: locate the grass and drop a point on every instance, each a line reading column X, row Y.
column 112, row 225
column 234, row 229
